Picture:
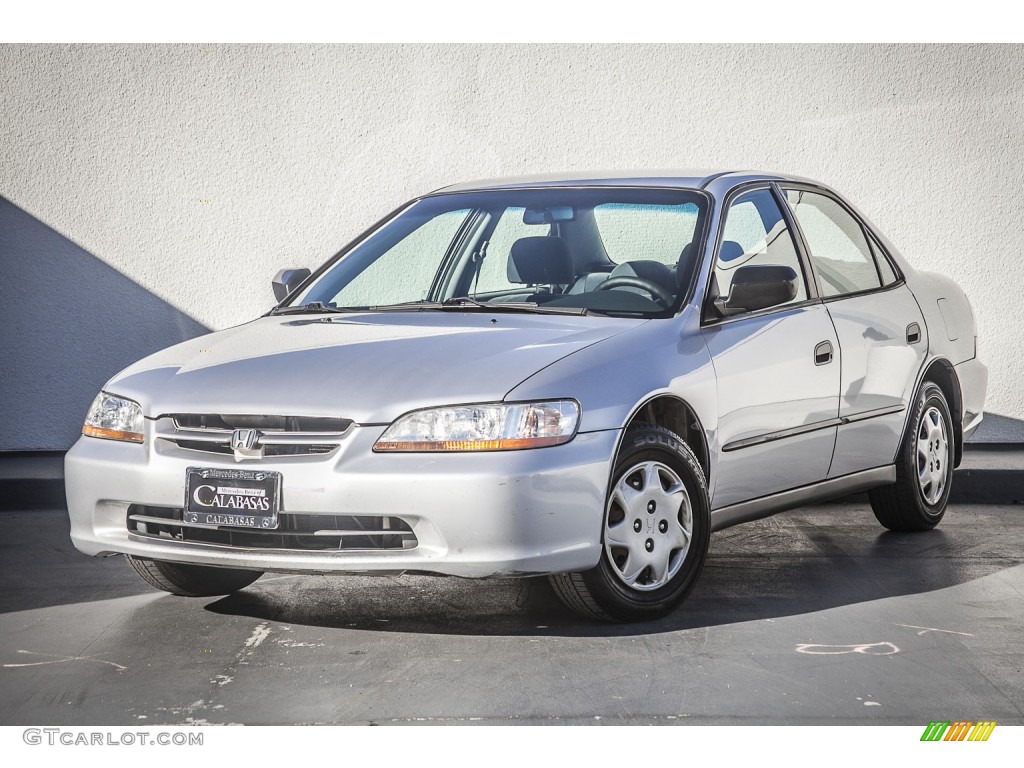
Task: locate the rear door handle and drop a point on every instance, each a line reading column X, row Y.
column 913, row 333
column 823, row 353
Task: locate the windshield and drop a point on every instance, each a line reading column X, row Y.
column 605, row 250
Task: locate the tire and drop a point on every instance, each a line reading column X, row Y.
column 191, row 580
column 632, row 534
column 924, row 468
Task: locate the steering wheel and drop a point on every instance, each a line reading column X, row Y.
column 659, row 292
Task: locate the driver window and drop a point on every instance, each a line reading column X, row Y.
column 756, row 233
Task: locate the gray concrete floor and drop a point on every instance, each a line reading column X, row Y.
column 815, row 616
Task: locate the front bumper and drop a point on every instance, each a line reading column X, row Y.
column 473, row 514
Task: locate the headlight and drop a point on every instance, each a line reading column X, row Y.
column 114, row 418
column 486, row 427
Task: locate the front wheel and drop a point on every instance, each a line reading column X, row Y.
column 657, row 527
column 191, row 580
column 924, row 468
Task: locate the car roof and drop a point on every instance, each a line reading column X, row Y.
column 681, row 179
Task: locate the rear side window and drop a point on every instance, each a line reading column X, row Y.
column 885, row 268
column 756, row 233
column 839, row 249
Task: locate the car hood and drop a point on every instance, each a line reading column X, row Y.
column 368, row 367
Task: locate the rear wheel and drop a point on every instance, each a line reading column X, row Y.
column 191, row 580
column 924, row 468
column 657, row 527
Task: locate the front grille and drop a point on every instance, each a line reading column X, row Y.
column 265, row 423
column 305, row 449
column 308, row 533
column 277, row 435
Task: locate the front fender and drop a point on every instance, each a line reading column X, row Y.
column 613, row 378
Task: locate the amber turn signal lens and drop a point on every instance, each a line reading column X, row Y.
column 111, row 434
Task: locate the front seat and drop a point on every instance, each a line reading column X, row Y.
column 646, row 269
column 685, row 266
column 540, row 261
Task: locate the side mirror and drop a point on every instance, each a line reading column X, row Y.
column 757, row 286
column 287, row 280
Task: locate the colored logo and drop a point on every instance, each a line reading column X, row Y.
column 959, row 730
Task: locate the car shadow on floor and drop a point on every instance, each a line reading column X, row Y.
column 41, row 568
column 780, row 567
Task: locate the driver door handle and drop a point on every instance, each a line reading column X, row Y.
column 823, row 353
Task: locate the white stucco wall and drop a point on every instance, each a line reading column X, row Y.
column 198, row 171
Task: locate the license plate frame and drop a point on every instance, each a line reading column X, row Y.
column 236, row 500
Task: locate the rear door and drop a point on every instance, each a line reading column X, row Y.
column 777, row 369
column 880, row 328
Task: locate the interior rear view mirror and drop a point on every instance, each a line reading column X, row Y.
column 549, row 215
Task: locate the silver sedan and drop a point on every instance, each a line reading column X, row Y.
column 581, row 377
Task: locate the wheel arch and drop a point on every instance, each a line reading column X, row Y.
column 943, row 374
column 674, row 413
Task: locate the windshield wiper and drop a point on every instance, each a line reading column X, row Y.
column 524, row 306
column 464, row 302
column 313, row 308
column 460, row 303
column 405, row 306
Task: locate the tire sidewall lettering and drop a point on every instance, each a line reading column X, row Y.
column 649, row 440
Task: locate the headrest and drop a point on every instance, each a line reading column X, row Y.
column 730, row 250
column 540, row 261
column 685, row 265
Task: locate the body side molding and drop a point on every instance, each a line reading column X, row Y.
column 735, row 445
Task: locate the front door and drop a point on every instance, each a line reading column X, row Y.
column 777, row 370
